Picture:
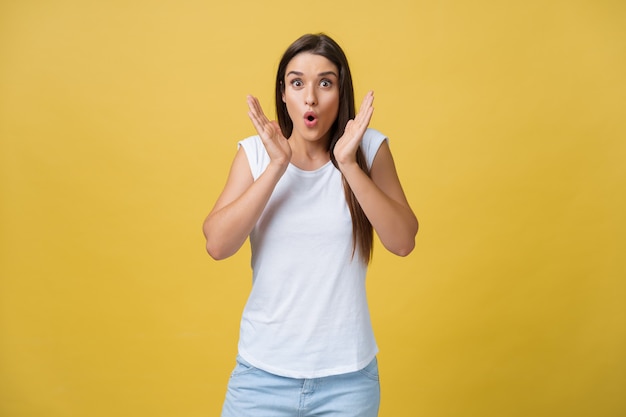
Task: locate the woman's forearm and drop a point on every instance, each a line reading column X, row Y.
column 228, row 226
column 394, row 221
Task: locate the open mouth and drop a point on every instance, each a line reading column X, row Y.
column 310, row 119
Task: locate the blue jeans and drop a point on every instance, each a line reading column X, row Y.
column 256, row 393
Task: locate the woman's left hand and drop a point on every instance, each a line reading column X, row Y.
column 347, row 145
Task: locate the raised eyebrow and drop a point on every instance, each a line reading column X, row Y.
column 321, row 74
column 327, row 73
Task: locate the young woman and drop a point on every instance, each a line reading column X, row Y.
column 308, row 191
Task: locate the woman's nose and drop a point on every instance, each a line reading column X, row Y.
column 310, row 98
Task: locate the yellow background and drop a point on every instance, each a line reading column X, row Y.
column 118, row 122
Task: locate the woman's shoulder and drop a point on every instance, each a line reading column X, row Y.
column 372, row 139
column 373, row 134
column 257, row 156
column 251, row 142
column 253, row 145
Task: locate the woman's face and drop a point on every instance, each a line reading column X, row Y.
column 311, row 95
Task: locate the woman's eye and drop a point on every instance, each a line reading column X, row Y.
column 296, row 83
column 326, row 83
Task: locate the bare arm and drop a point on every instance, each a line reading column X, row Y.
column 381, row 195
column 238, row 208
column 384, row 202
column 242, row 201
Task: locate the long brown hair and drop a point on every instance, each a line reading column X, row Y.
column 323, row 45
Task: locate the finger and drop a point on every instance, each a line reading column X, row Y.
column 366, row 109
column 255, row 121
column 253, row 105
column 253, row 112
column 364, row 117
column 262, row 127
column 257, row 116
column 367, row 101
column 258, row 126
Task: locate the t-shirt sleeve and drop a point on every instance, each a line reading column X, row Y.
column 372, row 139
column 258, row 159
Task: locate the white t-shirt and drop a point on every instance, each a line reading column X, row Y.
column 307, row 313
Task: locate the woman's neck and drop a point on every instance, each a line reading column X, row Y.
column 309, row 155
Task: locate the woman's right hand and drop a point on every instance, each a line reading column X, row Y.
column 276, row 145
